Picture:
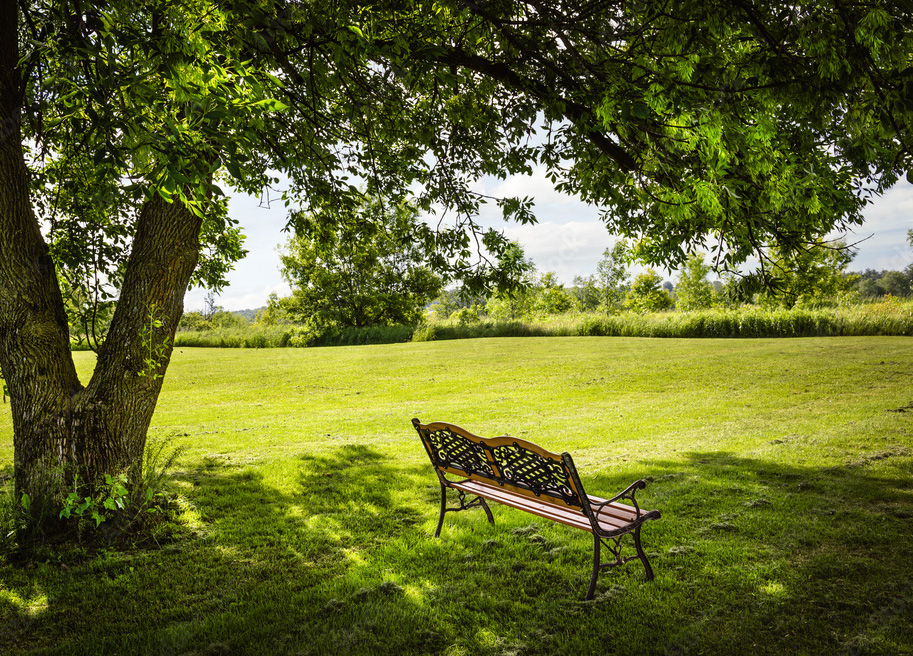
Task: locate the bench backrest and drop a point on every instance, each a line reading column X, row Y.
column 510, row 462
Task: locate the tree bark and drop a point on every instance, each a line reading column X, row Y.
column 114, row 411
column 34, row 338
column 60, row 428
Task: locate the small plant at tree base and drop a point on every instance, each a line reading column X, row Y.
column 114, row 498
column 154, row 352
column 120, row 511
column 14, row 515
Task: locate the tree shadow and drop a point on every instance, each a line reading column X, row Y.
column 822, row 556
column 265, row 571
column 750, row 556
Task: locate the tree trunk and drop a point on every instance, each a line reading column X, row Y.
column 114, row 411
column 34, row 341
column 60, row 428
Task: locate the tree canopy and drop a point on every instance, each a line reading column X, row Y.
column 809, row 275
column 730, row 126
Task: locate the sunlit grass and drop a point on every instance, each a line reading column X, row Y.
column 783, row 470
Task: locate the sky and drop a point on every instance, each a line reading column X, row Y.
column 568, row 240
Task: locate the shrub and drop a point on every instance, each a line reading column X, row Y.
column 116, row 512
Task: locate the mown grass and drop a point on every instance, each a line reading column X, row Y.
column 782, row 469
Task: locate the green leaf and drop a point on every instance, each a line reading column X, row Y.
column 640, row 110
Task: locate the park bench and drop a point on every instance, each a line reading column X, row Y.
column 525, row 476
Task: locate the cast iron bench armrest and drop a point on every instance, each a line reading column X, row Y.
column 629, row 492
column 523, row 475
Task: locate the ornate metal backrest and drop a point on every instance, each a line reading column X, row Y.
column 508, row 461
column 451, row 450
column 541, row 474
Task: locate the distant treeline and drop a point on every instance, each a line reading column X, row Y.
column 888, row 316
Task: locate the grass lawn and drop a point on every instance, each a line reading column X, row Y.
column 783, row 470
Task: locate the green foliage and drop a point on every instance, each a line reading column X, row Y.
column 89, row 317
column 364, row 271
column 113, row 496
column 612, row 276
column 220, row 319
column 890, row 316
column 114, row 103
column 871, row 283
column 14, row 515
column 516, row 272
column 155, row 347
column 453, row 300
column 467, row 315
column 273, row 314
column 513, row 297
column 894, row 283
column 646, row 293
column 811, row 276
column 586, row 292
column 447, row 302
column 694, row 291
column 551, row 297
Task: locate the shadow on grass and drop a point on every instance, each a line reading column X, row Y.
column 751, row 557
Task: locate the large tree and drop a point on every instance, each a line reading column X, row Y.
column 727, row 125
column 365, row 271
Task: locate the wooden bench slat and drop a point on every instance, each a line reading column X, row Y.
column 615, row 510
column 547, row 511
column 611, row 521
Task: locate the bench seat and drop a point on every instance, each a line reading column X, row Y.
column 615, row 517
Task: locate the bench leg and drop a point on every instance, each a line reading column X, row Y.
column 491, row 519
column 642, row 555
column 597, row 549
column 440, row 521
column 478, row 501
column 598, row 565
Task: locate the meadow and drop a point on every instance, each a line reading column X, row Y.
column 783, row 469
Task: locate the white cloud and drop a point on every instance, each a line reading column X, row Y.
column 567, row 249
column 884, row 232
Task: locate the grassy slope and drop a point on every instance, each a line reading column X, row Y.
column 782, row 469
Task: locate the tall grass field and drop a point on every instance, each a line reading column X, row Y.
column 889, row 316
column 783, row 469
